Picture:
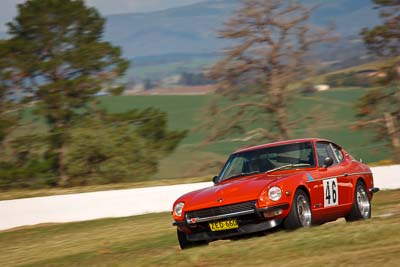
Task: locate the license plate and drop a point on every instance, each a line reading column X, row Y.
column 223, row 225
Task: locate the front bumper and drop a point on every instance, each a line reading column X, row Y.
column 257, row 211
column 374, row 190
column 242, row 230
column 250, row 221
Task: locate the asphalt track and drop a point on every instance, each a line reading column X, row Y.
column 121, row 203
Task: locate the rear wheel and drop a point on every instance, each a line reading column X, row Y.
column 361, row 209
column 300, row 214
column 185, row 244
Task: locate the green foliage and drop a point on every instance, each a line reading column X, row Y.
column 30, row 165
column 120, row 147
column 32, row 173
column 381, row 110
column 308, row 88
column 60, row 58
column 105, row 154
column 150, row 124
column 5, row 125
column 384, row 40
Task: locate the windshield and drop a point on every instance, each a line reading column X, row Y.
column 299, row 155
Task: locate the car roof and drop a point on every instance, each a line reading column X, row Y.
column 286, row 142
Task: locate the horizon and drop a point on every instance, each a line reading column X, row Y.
column 8, row 8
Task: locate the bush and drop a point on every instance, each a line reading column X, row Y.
column 308, row 88
column 36, row 173
column 119, row 148
column 100, row 154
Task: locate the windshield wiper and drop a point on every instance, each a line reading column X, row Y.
column 288, row 166
column 241, row 174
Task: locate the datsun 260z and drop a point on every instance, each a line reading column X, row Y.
column 293, row 183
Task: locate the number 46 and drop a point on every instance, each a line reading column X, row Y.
column 331, row 194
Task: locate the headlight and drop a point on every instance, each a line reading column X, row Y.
column 178, row 209
column 274, row 193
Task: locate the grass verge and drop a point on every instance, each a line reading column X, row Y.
column 150, row 240
column 25, row 193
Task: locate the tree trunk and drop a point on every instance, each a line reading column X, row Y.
column 281, row 120
column 63, row 177
column 394, row 135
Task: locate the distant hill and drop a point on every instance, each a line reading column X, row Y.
column 188, row 29
column 184, row 39
column 192, row 29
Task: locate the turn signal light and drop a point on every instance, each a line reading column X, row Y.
column 272, row 213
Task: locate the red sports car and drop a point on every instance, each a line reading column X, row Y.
column 293, row 183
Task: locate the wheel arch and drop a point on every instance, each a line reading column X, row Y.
column 364, row 182
column 305, row 189
column 361, row 179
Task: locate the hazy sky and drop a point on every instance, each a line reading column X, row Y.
column 106, row 7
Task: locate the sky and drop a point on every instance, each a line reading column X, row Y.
column 8, row 8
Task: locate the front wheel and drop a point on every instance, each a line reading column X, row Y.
column 185, row 244
column 361, row 209
column 300, row 214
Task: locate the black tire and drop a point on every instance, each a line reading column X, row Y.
column 300, row 214
column 185, row 244
column 361, row 209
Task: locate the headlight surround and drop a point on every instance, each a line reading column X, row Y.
column 178, row 209
column 274, row 193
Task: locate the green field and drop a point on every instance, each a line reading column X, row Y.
column 150, row 240
column 334, row 112
column 335, row 109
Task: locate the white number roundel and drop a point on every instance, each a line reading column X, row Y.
column 331, row 192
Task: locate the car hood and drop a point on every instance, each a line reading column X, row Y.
column 228, row 192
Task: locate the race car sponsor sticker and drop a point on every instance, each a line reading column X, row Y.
column 331, row 192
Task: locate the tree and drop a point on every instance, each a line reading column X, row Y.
column 7, row 118
column 119, row 147
column 384, row 40
column 379, row 109
column 60, row 60
column 271, row 42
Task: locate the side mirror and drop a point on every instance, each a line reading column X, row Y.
column 328, row 161
column 215, row 179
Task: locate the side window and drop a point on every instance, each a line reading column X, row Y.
column 338, row 153
column 324, row 150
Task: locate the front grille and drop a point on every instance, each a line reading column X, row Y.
column 227, row 209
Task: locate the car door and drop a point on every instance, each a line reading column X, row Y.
column 327, row 183
column 344, row 179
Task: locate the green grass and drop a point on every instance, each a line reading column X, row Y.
column 150, row 240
